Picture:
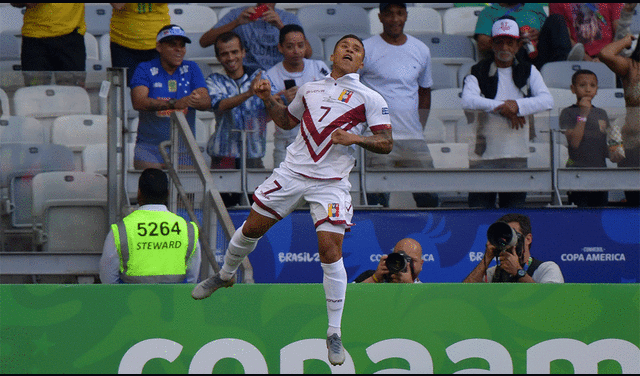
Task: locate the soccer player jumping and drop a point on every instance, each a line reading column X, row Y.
column 333, row 113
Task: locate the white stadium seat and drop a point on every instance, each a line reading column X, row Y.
column 557, row 74
column 419, row 20
column 21, row 129
column 72, row 207
column 192, row 17
column 461, row 20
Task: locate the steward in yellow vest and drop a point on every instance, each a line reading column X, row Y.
column 151, row 245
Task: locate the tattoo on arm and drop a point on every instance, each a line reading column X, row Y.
column 278, row 113
column 381, row 142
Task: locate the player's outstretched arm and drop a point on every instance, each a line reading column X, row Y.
column 381, row 142
column 277, row 111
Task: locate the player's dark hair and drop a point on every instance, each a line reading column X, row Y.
column 154, row 186
column 290, row 28
column 349, row 36
column 574, row 78
column 226, row 37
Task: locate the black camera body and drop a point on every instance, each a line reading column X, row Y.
column 398, row 262
column 503, row 237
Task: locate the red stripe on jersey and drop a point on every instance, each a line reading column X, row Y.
column 380, row 127
column 346, row 121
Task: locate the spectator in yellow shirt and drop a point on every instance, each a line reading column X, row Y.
column 134, row 27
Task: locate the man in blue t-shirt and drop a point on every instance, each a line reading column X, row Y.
column 161, row 86
column 259, row 28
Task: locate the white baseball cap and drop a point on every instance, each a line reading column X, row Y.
column 505, row 27
column 173, row 31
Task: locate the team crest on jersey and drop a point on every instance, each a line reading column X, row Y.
column 345, row 96
column 385, row 110
column 172, row 85
column 334, row 210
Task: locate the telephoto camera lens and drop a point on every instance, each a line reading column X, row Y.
column 396, row 263
column 502, row 236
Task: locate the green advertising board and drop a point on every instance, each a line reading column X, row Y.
column 261, row 328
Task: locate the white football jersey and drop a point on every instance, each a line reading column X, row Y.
column 323, row 106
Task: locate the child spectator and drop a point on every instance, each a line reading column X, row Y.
column 586, row 131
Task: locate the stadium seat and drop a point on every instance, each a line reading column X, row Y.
column 224, row 10
column 463, row 71
column 10, row 45
column 446, row 112
column 450, row 50
column 443, row 77
column 204, row 57
column 51, row 101
column 558, row 74
column 327, row 20
column 19, row 163
column 635, row 22
column 78, row 131
column 46, row 102
column 72, row 208
column 91, row 46
column 612, row 101
column 192, row 17
column 104, row 45
column 97, row 18
column 11, row 19
column 419, row 20
column 449, row 155
column 21, row 129
column 293, row 7
column 461, row 20
column 539, row 155
column 4, row 104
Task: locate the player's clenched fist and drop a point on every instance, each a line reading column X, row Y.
column 342, row 137
column 261, row 87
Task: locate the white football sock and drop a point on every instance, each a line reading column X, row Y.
column 239, row 247
column 335, row 289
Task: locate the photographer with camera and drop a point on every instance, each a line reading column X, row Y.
column 509, row 240
column 403, row 265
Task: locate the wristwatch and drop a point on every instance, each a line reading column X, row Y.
column 521, row 273
column 172, row 104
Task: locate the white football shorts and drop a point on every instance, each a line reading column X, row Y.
column 285, row 190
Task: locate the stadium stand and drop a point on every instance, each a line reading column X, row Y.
column 46, row 102
column 20, row 162
column 329, row 20
column 635, row 23
column 10, row 44
column 78, row 131
column 4, row 103
column 463, row 71
column 446, row 112
column 450, row 50
column 98, row 18
column 460, row 21
column 192, row 17
column 558, row 74
column 11, row 19
column 419, row 20
column 443, row 77
column 449, row 155
column 72, row 208
column 21, row 129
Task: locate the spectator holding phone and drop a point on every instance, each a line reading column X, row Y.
column 287, row 76
column 258, row 27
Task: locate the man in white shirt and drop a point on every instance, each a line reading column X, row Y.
column 515, row 263
column 503, row 91
column 333, row 115
column 287, row 76
column 398, row 66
